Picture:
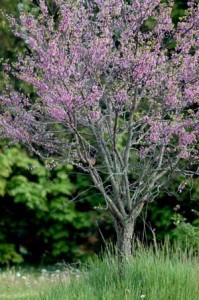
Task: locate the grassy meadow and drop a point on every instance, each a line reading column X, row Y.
column 164, row 275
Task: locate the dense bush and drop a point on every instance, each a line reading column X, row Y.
column 39, row 219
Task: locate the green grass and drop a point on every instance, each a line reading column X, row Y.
column 168, row 275
column 28, row 284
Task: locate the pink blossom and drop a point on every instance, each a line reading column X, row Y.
column 7, row 67
column 95, row 115
column 172, row 100
column 185, row 155
column 121, row 96
column 187, row 139
column 58, row 113
column 43, row 7
column 53, row 48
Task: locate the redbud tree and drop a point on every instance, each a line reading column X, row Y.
column 115, row 87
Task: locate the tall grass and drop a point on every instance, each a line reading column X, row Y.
column 166, row 275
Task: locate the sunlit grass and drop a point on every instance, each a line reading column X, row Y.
column 27, row 284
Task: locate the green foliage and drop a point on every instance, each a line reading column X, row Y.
column 181, row 196
column 186, row 234
column 39, row 219
column 8, row 45
column 9, row 254
column 179, row 10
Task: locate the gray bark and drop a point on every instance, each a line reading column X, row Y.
column 125, row 239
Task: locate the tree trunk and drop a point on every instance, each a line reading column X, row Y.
column 124, row 239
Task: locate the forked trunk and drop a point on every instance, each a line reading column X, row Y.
column 124, row 240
